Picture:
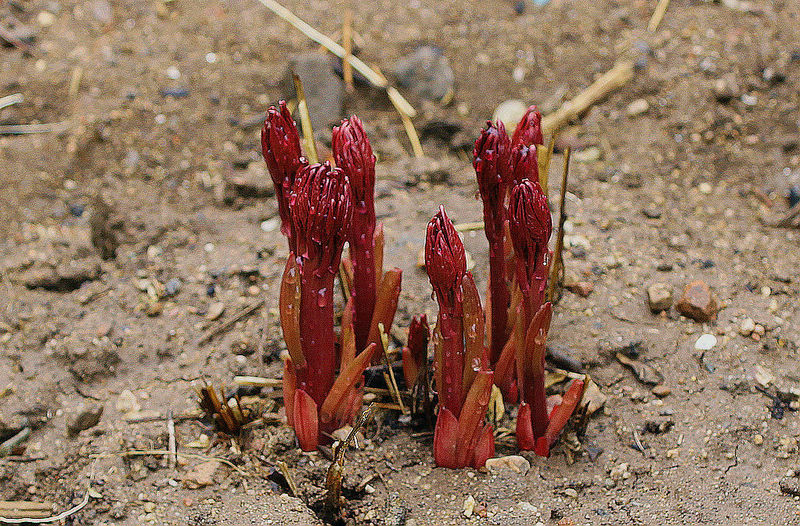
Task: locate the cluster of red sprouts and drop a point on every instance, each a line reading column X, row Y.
column 323, row 206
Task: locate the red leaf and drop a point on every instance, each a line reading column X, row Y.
column 346, row 380
column 484, row 450
column 472, row 414
column 444, row 439
column 289, row 386
column 525, row 439
column 289, row 307
column 306, row 422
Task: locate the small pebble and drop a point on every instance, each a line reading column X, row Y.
column 705, row 342
column 661, row 391
column 637, row 107
column 659, row 297
column 747, row 327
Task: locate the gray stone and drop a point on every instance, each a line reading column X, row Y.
column 659, row 297
column 86, row 418
column 426, row 72
column 323, row 89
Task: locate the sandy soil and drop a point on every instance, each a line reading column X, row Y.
column 710, row 160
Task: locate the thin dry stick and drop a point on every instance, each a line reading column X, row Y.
column 658, row 15
column 305, row 120
column 544, row 165
column 173, row 448
column 379, row 81
column 164, row 452
column 257, row 381
column 75, row 81
column 8, row 100
column 469, row 227
column 397, row 101
column 287, row 474
column 393, row 382
column 228, row 324
column 613, row 79
column 347, row 42
column 557, row 271
column 26, row 129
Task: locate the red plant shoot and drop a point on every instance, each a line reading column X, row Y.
column 316, row 400
column 280, row 146
column 491, row 162
column 463, row 377
column 529, row 129
column 353, row 154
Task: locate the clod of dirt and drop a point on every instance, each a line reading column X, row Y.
column 659, row 297
column 508, row 464
column 658, row 427
column 201, row 475
column 645, row 373
column 86, row 418
column 698, row 302
column 105, row 227
column 63, row 278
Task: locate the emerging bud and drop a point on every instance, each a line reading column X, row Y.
column 530, row 225
column 529, row 129
column 445, row 259
column 353, row 154
column 490, row 159
column 321, row 206
column 524, row 164
column 280, row 146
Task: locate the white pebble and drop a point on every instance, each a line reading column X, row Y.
column 173, row 73
column 705, row 342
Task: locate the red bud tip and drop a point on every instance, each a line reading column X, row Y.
column 280, row 146
column 321, row 206
column 529, row 222
column 524, row 164
column 490, row 159
column 529, row 129
column 445, row 259
column 353, row 154
column 418, row 334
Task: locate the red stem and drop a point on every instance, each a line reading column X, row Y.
column 316, row 331
column 451, row 392
column 499, row 292
column 362, row 254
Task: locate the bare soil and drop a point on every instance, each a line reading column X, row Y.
column 710, row 159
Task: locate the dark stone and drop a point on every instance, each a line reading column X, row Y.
column 426, row 72
column 324, row 90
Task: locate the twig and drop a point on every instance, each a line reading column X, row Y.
column 8, row 100
column 55, row 518
column 305, row 120
column 787, row 220
column 75, row 81
column 164, row 452
column 25, row 129
column 347, row 43
column 284, row 468
column 8, row 446
column 257, row 381
column 544, row 165
column 333, row 478
column 160, row 418
column 173, row 449
column 393, row 382
column 638, row 443
column 228, row 324
column 557, row 271
column 658, row 15
column 397, row 101
column 613, row 79
column 469, row 227
column 377, row 80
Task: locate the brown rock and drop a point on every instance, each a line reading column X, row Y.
column 661, row 390
column 698, row 302
column 581, row 288
column 659, row 297
column 201, row 475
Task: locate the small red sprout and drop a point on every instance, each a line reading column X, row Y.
column 316, row 400
column 280, row 146
column 416, row 350
column 491, row 162
column 463, row 377
column 353, row 154
column 529, row 129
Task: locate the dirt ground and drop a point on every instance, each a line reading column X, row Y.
column 683, row 190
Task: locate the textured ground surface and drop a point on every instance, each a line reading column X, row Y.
column 712, row 157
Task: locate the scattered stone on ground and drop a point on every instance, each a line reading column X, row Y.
column 698, row 302
column 201, row 475
column 659, row 297
column 509, row 463
column 426, row 72
column 86, row 418
column 324, row 90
